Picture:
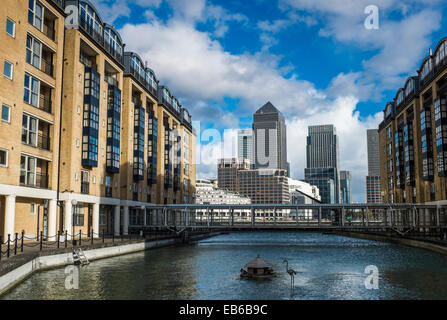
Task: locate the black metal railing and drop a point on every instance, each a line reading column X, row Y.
column 113, row 52
column 45, row 103
column 47, row 67
column 43, row 142
column 34, row 180
column 85, row 187
column 143, row 81
column 49, row 32
column 97, row 36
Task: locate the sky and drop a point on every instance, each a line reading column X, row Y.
column 315, row 60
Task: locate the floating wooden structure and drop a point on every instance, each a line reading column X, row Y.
column 258, row 269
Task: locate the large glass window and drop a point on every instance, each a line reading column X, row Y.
column 440, row 54
column 113, row 129
column 33, row 51
column 32, row 90
column 426, row 69
column 28, row 170
column 35, row 14
column 29, row 130
column 78, row 215
column 91, row 118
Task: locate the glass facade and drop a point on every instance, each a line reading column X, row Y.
column 152, row 149
column 409, row 153
column 138, row 151
column 426, row 146
column 440, row 107
column 324, row 179
column 398, row 142
column 113, row 130
column 90, row 118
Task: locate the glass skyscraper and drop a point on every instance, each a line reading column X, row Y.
column 323, row 162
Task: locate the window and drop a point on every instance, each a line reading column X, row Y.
column 102, row 217
column 6, row 113
column 388, row 132
column 10, row 27
column 29, row 130
column 78, row 216
column 3, row 158
column 28, row 170
column 33, row 52
column 35, row 14
column 31, row 90
column 8, row 70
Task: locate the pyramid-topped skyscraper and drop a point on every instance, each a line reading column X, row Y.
column 269, row 129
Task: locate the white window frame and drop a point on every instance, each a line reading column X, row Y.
column 12, row 70
column 27, row 158
column 9, row 113
column 37, row 3
column 13, row 35
column 29, row 131
column 34, row 42
column 31, row 92
column 7, row 158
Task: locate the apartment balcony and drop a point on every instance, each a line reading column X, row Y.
column 114, row 53
column 34, row 180
column 97, row 36
column 143, row 81
column 46, row 65
column 33, row 172
column 39, row 138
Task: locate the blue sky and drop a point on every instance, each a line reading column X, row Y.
column 313, row 59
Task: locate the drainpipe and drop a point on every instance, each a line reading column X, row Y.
column 60, row 133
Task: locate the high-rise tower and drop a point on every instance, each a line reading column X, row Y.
column 270, row 143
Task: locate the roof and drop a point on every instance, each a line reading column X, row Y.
column 268, row 108
column 258, row 263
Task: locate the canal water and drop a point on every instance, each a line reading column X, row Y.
column 328, row 266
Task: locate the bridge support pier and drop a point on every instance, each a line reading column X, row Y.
column 343, row 214
column 319, row 216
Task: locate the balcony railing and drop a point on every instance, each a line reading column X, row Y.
column 85, row 187
column 47, row 67
column 114, row 53
column 45, row 103
column 98, row 37
column 43, row 142
column 143, row 81
column 34, row 180
column 49, row 32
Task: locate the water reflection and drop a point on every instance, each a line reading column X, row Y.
column 329, row 267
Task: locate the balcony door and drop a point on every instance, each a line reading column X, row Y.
column 28, row 167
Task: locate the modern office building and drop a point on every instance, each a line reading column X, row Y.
column 260, row 185
column 208, row 193
column 303, row 193
column 373, row 190
column 373, row 152
column 324, row 179
column 345, row 186
column 413, row 136
column 270, row 138
column 88, row 138
column 245, row 146
column 323, row 161
column 227, row 172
